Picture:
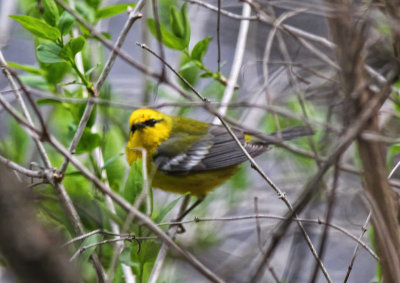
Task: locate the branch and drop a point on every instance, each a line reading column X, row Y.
column 363, row 230
column 30, row 250
column 237, row 58
column 20, row 169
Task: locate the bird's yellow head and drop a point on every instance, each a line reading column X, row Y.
column 148, row 129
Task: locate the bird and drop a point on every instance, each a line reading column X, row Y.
column 190, row 156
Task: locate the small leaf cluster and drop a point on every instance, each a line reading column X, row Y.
column 176, row 35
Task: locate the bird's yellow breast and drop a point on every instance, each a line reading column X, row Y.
column 197, row 184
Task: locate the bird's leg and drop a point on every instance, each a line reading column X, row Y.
column 193, row 206
column 183, row 211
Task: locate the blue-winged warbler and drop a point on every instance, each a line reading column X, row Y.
column 186, row 155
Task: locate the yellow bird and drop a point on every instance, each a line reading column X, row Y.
column 186, row 155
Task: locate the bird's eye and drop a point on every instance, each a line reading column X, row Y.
column 133, row 128
column 150, row 122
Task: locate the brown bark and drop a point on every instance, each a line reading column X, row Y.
column 34, row 253
column 349, row 36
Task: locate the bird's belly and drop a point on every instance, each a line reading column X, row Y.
column 197, row 184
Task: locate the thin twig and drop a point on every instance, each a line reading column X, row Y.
column 22, row 170
column 329, row 214
column 363, row 230
column 276, row 217
column 129, row 238
column 258, row 228
column 237, row 58
column 219, row 35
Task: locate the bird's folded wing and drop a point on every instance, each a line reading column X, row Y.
column 182, row 154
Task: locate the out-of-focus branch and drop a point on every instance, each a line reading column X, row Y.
column 349, row 35
column 59, row 189
column 20, row 169
column 311, row 187
column 32, row 252
column 363, row 230
column 237, row 58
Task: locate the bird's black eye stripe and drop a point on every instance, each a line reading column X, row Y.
column 141, row 125
column 133, row 128
column 151, row 122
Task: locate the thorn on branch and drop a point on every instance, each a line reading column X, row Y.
column 139, row 245
column 44, row 136
column 57, row 175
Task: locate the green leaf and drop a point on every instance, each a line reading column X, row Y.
column 93, row 3
column 49, row 53
column 87, row 242
column 186, row 24
column 189, row 70
column 115, row 163
column 88, row 72
column 76, row 45
column 111, row 160
column 88, row 142
column 391, row 153
column 200, row 49
column 146, row 258
column 168, row 38
column 106, row 35
column 92, row 118
column 207, row 75
column 77, row 113
column 56, row 72
column 187, row 66
column 27, row 68
column 51, row 14
column 72, row 48
column 86, row 11
column 134, row 182
column 113, row 10
column 66, row 22
column 165, row 210
column 35, row 81
column 47, row 101
column 125, row 257
column 177, row 22
column 16, row 142
column 37, row 27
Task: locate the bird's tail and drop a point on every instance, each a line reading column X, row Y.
column 283, row 135
column 292, row 133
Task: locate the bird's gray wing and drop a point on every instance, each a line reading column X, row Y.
column 182, row 154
